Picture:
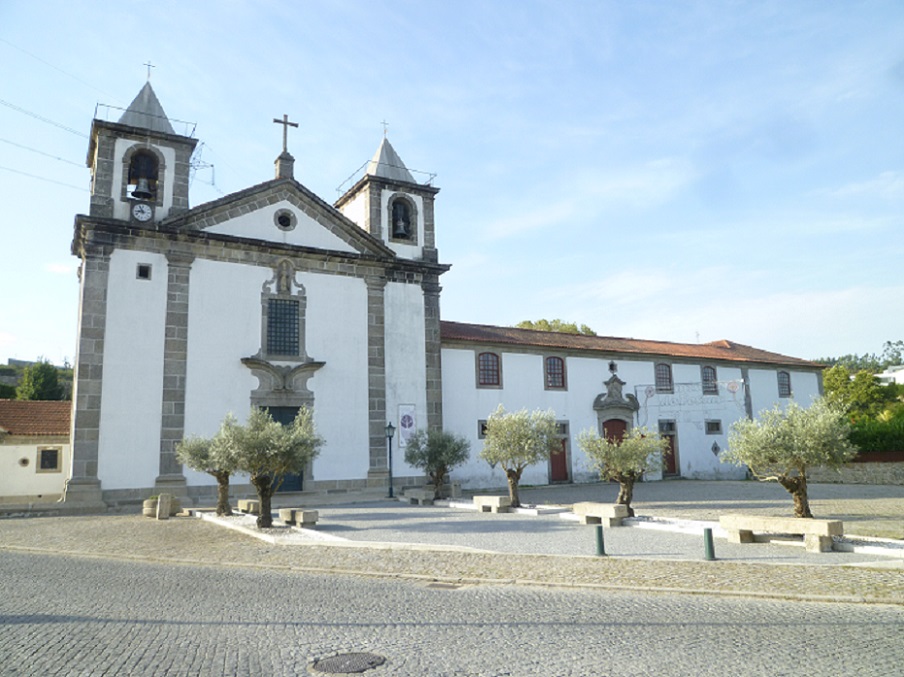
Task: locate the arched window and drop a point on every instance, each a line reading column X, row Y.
column 555, row 373
column 664, row 378
column 488, row 372
column 784, row 384
column 142, row 180
column 710, row 385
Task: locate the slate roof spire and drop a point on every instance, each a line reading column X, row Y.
column 146, row 112
column 386, row 164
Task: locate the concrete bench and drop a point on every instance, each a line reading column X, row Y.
column 817, row 534
column 300, row 517
column 610, row 514
column 420, row 496
column 493, row 503
column 250, row 507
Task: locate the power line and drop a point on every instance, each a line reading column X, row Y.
column 41, row 178
column 42, row 119
column 40, row 152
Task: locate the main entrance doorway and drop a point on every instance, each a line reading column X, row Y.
column 285, row 416
column 668, row 430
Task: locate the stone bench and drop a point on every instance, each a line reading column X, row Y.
column 610, row 514
column 817, row 534
column 303, row 518
column 420, row 496
column 251, row 507
column 493, row 503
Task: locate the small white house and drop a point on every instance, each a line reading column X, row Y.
column 34, row 450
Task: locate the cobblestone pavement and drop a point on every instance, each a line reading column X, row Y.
column 78, row 616
column 188, row 540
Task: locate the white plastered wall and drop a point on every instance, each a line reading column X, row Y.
column 260, row 225
column 132, row 395
column 21, row 477
column 356, row 209
column 406, row 364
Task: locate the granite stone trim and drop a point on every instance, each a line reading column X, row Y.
column 83, row 483
column 376, row 372
column 146, row 147
column 433, row 353
column 413, row 215
column 175, row 360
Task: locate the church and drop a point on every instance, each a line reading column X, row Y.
column 271, row 297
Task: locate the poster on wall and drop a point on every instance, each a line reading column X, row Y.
column 407, row 423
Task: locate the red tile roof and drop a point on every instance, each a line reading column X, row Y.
column 35, row 417
column 530, row 338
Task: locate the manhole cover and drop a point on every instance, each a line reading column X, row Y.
column 349, row 663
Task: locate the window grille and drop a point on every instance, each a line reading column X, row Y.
column 282, row 327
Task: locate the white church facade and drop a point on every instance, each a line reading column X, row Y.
column 272, row 297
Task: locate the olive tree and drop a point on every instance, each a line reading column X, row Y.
column 517, row 440
column 436, row 452
column 215, row 456
column 782, row 444
column 624, row 460
column 268, row 451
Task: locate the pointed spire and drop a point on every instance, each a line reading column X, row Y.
column 146, row 112
column 386, row 164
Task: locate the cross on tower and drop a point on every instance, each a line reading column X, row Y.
column 150, row 66
column 385, row 128
column 285, row 130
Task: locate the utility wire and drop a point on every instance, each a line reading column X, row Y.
column 42, row 119
column 40, row 152
column 41, row 178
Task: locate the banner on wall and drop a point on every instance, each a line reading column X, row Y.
column 407, row 423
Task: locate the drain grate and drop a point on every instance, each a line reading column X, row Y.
column 349, row 663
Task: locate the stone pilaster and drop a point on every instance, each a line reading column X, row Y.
column 376, row 376
column 433, row 353
column 175, row 353
column 83, row 485
column 374, row 216
column 102, row 165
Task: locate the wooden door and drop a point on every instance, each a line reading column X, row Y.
column 615, row 429
column 558, row 464
column 668, row 430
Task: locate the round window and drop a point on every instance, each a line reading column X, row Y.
column 284, row 219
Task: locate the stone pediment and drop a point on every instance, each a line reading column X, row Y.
column 281, row 211
column 613, row 400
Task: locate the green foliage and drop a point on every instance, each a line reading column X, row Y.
column 859, row 394
column 892, row 354
column 517, row 440
column 7, row 392
column 556, row 325
column 214, row 456
column 870, row 435
column 436, row 452
column 40, row 381
column 640, row 451
column 783, row 443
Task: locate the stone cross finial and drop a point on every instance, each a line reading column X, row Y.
column 385, row 128
column 150, row 66
column 285, row 130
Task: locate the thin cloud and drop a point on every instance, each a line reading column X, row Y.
column 59, row 268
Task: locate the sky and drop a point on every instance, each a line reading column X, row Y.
column 680, row 171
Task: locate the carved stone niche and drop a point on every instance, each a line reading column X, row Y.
column 281, row 385
column 613, row 404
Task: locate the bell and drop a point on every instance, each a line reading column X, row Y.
column 142, row 189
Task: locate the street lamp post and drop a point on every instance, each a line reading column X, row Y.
column 390, row 432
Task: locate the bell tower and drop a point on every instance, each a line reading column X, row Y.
column 139, row 165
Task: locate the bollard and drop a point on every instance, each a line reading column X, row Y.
column 600, row 547
column 709, row 550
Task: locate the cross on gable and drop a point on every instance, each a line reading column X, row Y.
column 285, row 130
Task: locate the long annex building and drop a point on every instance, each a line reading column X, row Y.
column 272, row 297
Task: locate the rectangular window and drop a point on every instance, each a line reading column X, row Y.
column 555, row 373
column 713, row 427
column 282, row 327
column 50, row 459
column 143, row 271
column 481, row 429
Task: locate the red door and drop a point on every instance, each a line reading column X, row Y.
column 558, row 464
column 614, row 429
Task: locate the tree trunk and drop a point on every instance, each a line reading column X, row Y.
column 438, row 476
column 797, row 487
column 513, row 477
column 223, row 507
column 264, row 487
column 625, row 492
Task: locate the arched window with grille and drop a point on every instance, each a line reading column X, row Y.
column 784, row 384
column 489, row 373
column 710, row 384
column 555, row 373
column 664, row 382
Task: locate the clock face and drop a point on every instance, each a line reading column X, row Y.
column 142, row 212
